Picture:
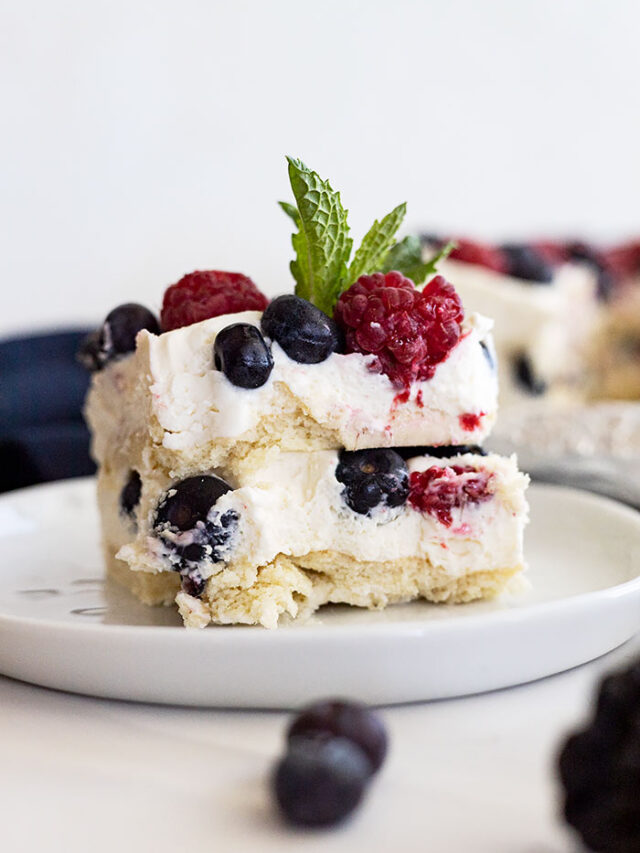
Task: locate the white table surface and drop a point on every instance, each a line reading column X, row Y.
column 472, row 774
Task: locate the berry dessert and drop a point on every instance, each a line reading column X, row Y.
column 566, row 314
column 260, row 459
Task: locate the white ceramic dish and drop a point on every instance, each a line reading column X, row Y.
column 61, row 626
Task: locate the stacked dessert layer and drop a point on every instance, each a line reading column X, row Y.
column 244, row 504
column 260, row 459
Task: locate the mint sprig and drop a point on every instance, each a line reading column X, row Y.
column 322, row 244
column 406, row 257
column 376, row 244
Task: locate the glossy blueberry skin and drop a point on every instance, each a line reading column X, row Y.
column 372, row 478
column 304, row 332
column 130, row 494
column 320, row 780
column 339, row 718
column 242, row 354
column 117, row 335
column 527, row 263
column 185, row 507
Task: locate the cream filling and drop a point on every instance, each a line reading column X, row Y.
column 292, row 504
column 194, row 403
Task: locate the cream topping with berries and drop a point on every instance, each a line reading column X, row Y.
column 193, row 402
column 293, row 504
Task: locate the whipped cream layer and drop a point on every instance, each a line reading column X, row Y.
column 168, row 394
column 291, row 504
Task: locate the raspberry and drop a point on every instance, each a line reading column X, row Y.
column 439, row 490
column 210, row 293
column 480, row 254
column 553, row 251
column 408, row 330
column 624, row 260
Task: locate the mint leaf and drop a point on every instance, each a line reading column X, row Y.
column 376, row 244
column 406, row 257
column 431, row 266
column 291, row 210
column 322, row 244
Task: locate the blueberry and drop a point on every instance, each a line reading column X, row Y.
column 527, row 263
column 321, row 780
column 90, row 352
column 442, row 452
column 304, row 332
column 192, row 582
column 242, row 354
column 372, row 478
column 117, row 335
column 130, row 494
column 489, row 354
column 591, row 255
column 526, row 377
column 184, row 523
column 351, row 720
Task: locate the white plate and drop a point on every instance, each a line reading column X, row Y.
column 61, row 626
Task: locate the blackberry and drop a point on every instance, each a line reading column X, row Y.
column 186, row 525
column 320, row 780
column 527, row 263
column 373, row 479
column 242, row 354
column 351, row 720
column 599, row 768
column 304, row 332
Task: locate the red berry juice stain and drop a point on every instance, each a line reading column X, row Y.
column 438, row 491
column 470, row 421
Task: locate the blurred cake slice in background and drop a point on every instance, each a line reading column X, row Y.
column 546, row 309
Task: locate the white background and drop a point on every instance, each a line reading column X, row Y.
column 143, row 140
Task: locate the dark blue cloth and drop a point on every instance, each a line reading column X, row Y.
column 42, row 388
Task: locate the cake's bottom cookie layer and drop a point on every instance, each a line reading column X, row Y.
column 296, row 588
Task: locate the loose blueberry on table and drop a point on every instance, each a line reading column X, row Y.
column 334, row 748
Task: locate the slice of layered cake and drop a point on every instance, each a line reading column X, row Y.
column 260, row 459
column 546, row 306
column 566, row 314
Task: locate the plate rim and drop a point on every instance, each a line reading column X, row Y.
column 413, row 627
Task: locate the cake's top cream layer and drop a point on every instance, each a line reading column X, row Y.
column 353, row 406
column 292, row 504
